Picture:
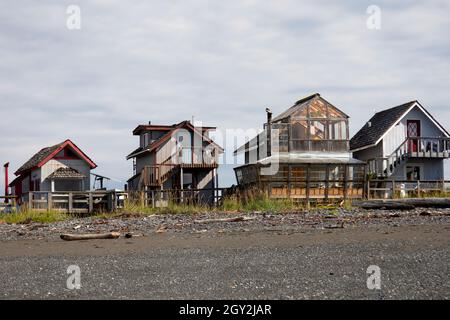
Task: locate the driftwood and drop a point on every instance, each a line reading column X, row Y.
column 235, row 219
column 90, row 236
column 334, row 226
column 387, row 205
column 404, row 204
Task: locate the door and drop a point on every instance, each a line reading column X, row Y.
column 413, row 173
column 413, row 131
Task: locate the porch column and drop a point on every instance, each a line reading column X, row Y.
column 52, row 183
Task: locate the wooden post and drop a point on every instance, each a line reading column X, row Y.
column 289, row 180
column 153, row 198
column 30, row 200
column 393, row 189
column 49, row 201
column 368, row 189
column 70, row 205
column 345, row 181
column 307, row 186
column 91, row 203
column 181, row 184
column 418, row 188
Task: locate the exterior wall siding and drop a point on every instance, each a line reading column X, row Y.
column 432, row 169
column 52, row 165
column 397, row 135
column 370, row 153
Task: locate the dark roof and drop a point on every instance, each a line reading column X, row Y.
column 155, row 127
column 66, row 173
column 379, row 124
column 38, row 157
column 183, row 124
column 135, row 152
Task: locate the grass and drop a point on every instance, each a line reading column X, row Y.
column 27, row 216
column 254, row 204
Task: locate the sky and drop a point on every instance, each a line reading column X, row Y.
column 219, row 62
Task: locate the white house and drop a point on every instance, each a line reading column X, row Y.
column 404, row 143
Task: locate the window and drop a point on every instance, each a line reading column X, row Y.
column 318, row 130
column 299, row 130
column 338, row 130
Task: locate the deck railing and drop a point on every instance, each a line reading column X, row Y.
column 393, row 189
column 74, row 202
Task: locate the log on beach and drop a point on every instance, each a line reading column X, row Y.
column 235, row 219
column 90, row 236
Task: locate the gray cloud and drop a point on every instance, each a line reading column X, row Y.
column 222, row 62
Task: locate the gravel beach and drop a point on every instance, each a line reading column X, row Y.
column 320, row 254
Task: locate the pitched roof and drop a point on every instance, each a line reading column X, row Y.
column 300, row 104
column 155, row 127
column 38, row 157
column 155, row 144
column 379, row 124
column 66, row 173
column 45, row 154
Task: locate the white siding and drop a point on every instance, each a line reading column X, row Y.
column 397, row 135
column 52, row 165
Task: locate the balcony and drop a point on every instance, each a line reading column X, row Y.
column 426, row 147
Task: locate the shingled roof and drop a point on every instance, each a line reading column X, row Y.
column 46, row 153
column 381, row 122
column 38, row 157
column 66, row 173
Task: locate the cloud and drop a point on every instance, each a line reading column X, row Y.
column 222, row 62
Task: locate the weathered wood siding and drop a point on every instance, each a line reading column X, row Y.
column 52, row 165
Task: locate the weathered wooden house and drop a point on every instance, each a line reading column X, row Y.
column 403, row 143
column 62, row 167
column 303, row 154
column 175, row 157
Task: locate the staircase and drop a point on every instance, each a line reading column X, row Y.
column 384, row 167
column 156, row 175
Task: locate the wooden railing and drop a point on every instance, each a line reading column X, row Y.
column 392, row 189
column 429, row 147
column 74, row 202
column 423, row 147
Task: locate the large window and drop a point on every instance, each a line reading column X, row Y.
column 338, row 130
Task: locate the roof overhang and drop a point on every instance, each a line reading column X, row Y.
column 413, row 105
column 66, row 143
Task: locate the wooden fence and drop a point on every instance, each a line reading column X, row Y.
column 75, row 202
column 393, row 189
column 111, row 200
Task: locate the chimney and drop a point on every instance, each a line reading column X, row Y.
column 149, row 123
column 369, row 124
column 6, row 165
column 269, row 132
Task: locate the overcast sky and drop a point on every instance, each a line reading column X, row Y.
column 222, row 62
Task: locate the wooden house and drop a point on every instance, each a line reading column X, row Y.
column 303, row 153
column 175, row 157
column 62, row 167
column 403, row 143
